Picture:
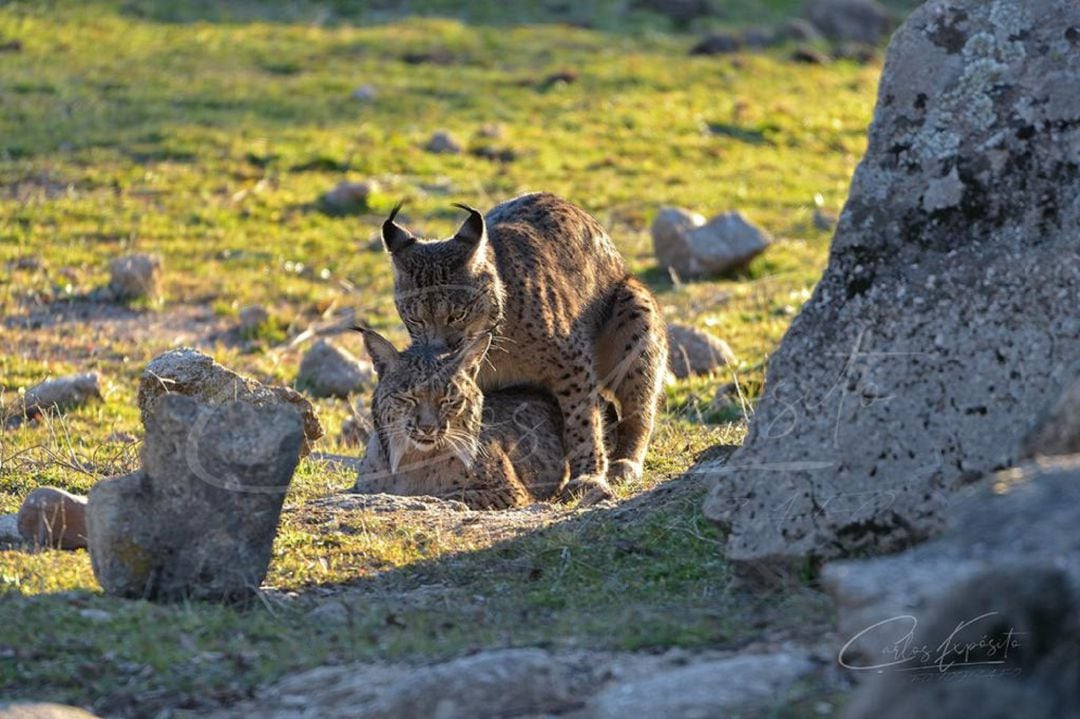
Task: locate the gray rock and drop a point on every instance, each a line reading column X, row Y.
column 680, row 11
column 706, row 689
column 499, row 683
column 717, row 43
column 9, row 531
column 252, row 318
column 808, row 55
column 331, row 371
column 799, row 30
column 1058, row 431
column 329, row 613
column 136, row 276
column 758, row 37
column 683, row 241
column 1024, row 517
column 198, row 519
column 695, row 352
column 364, row 93
column 350, row 196
column 1005, row 643
column 858, row 20
column 190, row 372
column 57, row 395
column 39, row 710
column 443, row 142
column 946, row 320
column 51, row 517
column 824, row 220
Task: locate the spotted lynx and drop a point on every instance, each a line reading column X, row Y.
column 544, row 278
column 436, row 434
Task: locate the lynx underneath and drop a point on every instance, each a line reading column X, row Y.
column 545, row 279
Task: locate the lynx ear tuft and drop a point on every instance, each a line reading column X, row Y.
column 384, row 356
column 394, row 236
column 472, row 231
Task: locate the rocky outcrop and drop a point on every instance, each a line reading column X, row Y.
column 946, row 320
column 189, row 372
column 993, row 602
column 198, row 520
column 865, row 21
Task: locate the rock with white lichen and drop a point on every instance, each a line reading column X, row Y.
column 946, row 321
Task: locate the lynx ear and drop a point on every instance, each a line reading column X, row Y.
column 472, row 231
column 471, row 356
column 394, row 236
column 383, row 354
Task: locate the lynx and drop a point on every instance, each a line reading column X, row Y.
column 436, row 434
column 544, row 278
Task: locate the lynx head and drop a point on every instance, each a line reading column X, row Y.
column 427, row 401
column 446, row 291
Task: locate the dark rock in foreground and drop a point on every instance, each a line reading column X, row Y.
column 198, row 520
column 946, row 321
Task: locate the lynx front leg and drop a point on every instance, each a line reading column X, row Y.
column 631, row 359
column 583, row 436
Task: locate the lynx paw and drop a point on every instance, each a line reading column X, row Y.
column 588, row 489
column 624, row 471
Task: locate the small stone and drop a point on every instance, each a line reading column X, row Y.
column 57, row 395
column 356, row 430
column 809, row 56
column 197, row 521
column 252, row 318
column 330, row 613
column 694, row 352
column 331, row 371
column 758, row 37
column 855, row 52
column 726, row 400
column 723, row 687
column 443, row 142
column 9, row 531
column 190, row 372
column 693, row 248
column 717, row 43
column 491, row 131
column 135, row 277
column 824, row 220
column 95, row 615
column 800, row 30
column 364, row 93
column 51, row 517
column 865, row 21
column 350, row 196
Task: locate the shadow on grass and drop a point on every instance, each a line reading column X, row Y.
column 643, row 575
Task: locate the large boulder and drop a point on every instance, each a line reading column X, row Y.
column 1027, row 516
column 946, row 320
column 694, row 248
column 864, row 21
column 189, row 372
column 198, row 519
column 985, row 603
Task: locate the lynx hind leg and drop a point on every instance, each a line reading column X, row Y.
column 631, row 361
column 497, row 485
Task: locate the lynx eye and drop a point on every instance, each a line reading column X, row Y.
column 457, row 318
column 404, row 401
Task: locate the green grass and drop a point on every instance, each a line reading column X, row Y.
column 169, row 127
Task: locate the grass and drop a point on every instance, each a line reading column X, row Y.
column 173, row 128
